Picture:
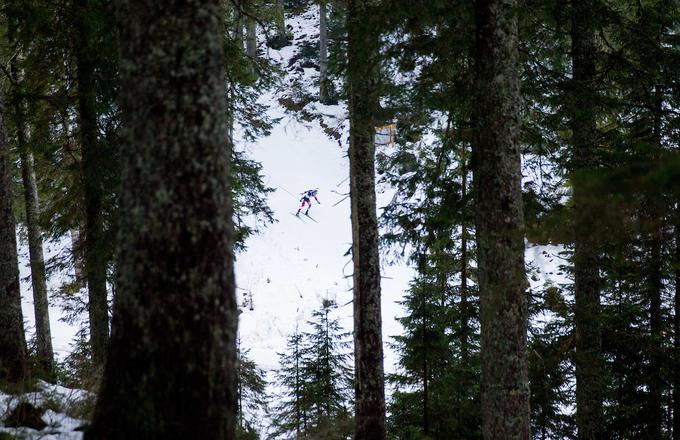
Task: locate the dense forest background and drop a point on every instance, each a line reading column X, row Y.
column 514, row 128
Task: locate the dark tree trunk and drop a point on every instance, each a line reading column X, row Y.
column 324, row 96
column 500, row 224
column 676, row 331
column 171, row 368
column 280, row 39
column 13, row 357
column 362, row 79
column 588, row 356
column 94, row 252
column 426, row 389
column 655, row 287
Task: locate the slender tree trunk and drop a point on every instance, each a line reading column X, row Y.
column 426, row 392
column 323, row 53
column 362, row 79
column 251, row 37
column 655, row 287
column 464, row 294
column 171, row 367
column 588, row 356
column 676, row 331
column 43, row 334
column 13, row 354
column 500, row 224
column 94, row 252
column 279, row 40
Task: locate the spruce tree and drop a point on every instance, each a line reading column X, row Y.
column 316, row 381
column 252, row 394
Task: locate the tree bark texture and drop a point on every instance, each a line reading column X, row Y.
column 655, row 219
column 676, row 331
column 465, row 306
column 323, row 53
column 588, row 357
column 171, row 369
column 362, row 78
column 94, row 249
column 13, row 353
column 251, row 37
column 500, row 224
column 43, row 334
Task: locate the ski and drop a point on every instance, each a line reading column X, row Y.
column 298, row 217
column 308, row 216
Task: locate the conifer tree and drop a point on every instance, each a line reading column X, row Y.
column 316, row 381
column 292, row 410
column 252, row 394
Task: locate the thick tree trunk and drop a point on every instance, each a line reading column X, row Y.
column 362, row 79
column 588, row 356
column 94, row 252
column 13, row 355
column 171, row 368
column 500, row 224
column 323, row 54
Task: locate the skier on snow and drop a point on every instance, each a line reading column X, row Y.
column 307, row 200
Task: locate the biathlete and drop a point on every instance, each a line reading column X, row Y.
column 307, row 200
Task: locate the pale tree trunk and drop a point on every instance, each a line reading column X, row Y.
column 324, row 95
column 500, row 224
column 362, row 79
column 465, row 306
column 43, row 334
column 171, row 369
column 251, row 37
column 94, row 252
column 13, row 353
column 588, row 356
